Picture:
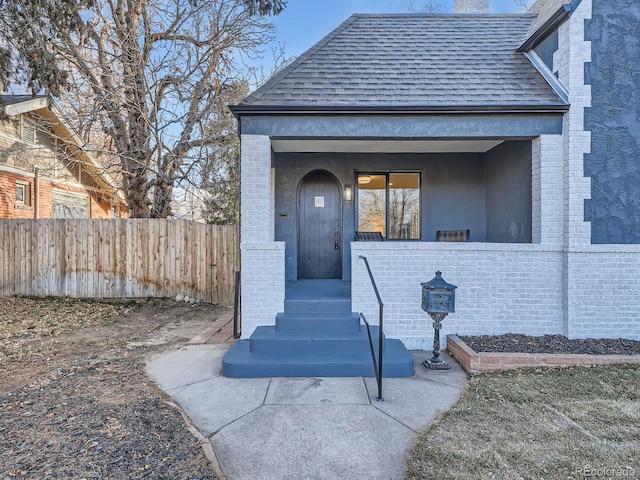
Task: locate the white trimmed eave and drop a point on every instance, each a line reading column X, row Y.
column 383, row 146
column 61, row 127
column 26, row 106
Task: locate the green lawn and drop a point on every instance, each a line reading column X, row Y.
column 570, row 423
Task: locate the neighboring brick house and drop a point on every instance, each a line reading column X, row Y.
column 44, row 170
column 517, row 134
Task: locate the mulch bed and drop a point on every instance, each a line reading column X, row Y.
column 512, row 343
column 80, row 422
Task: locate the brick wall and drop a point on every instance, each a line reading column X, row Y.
column 569, row 63
column 263, row 260
column 547, row 190
column 99, row 208
column 256, row 206
column 8, row 206
column 262, row 284
column 604, row 299
column 501, row 288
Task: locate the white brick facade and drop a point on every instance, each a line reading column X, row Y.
column 547, row 190
column 558, row 284
column 605, row 292
column 262, row 259
column 501, row 288
column 263, row 284
column 569, row 63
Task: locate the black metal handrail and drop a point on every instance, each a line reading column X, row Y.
column 237, row 329
column 377, row 369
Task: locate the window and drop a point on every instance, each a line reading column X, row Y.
column 389, row 203
column 23, row 193
column 28, row 131
column 70, row 205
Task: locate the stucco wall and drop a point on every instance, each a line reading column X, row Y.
column 547, row 48
column 452, row 193
column 508, row 193
column 614, row 122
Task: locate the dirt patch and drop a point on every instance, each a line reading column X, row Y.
column 74, row 399
column 518, row 343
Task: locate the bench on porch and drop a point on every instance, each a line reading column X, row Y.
column 452, row 236
column 368, row 236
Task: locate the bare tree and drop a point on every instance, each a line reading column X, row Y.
column 221, row 173
column 426, row 6
column 154, row 71
column 403, row 212
column 524, row 4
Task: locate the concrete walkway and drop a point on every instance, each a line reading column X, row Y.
column 305, row 428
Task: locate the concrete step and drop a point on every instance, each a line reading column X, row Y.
column 269, row 340
column 318, row 322
column 328, row 305
column 240, row 362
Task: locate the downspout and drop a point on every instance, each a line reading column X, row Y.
column 36, row 193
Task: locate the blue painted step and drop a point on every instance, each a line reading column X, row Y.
column 317, row 335
column 333, row 305
column 240, row 362
column 318, row 322
column 269, row 340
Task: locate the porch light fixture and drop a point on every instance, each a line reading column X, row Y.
column 364, row 179
column 438, row 300
column 348, row 192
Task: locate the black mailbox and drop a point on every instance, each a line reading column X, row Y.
column 438, row 296
column 438, row 300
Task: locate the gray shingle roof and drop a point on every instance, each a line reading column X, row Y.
column 412, row 61
column 545, row 9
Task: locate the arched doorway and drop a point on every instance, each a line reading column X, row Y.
column 319, row 227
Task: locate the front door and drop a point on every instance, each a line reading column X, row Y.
column 319, row 227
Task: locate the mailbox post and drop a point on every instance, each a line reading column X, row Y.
column 438, row 300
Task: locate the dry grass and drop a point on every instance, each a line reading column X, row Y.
column 74, row 399
column 23, row 318
column 571, row 423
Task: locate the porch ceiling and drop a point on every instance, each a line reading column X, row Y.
column 384, row 146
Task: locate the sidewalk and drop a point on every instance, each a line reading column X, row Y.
column 304, row 428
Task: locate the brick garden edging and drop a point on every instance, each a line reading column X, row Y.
column 474, row 362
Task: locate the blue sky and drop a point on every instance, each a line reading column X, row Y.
column 304, row 22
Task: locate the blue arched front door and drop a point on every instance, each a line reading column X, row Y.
column 319, row 227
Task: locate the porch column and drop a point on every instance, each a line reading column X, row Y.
column 262, row 259
column 547, row 190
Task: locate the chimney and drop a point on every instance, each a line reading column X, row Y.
column 471, row 6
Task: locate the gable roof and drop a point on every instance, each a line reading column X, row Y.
column 12, row 105
column 549, row 14
column 411, row 61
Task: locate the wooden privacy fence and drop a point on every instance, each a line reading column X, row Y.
column 118, row 258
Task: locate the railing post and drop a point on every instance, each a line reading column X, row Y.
column 236, row 305
column 380, row 349
column 380, row 329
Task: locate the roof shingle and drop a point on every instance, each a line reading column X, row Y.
column 411, row 61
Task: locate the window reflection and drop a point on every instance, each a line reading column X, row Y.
column 390, row 204
column 372, row 203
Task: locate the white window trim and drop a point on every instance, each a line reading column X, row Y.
column 26, row 189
